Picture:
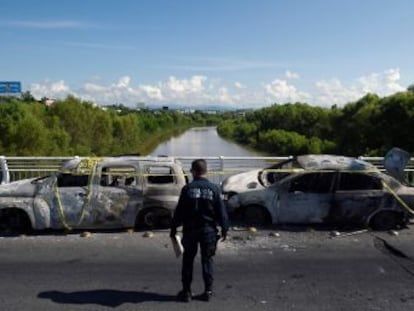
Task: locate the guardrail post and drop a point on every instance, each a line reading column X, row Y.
column 221, row 174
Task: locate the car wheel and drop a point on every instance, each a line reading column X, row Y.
column 255, row 215
column 154, row 218
column 385, row 220
column 15, row 221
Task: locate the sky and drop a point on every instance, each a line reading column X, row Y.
column 229, row 53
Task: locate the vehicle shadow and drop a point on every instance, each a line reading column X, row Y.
column 104, row 297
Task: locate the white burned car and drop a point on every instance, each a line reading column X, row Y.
column 95, row 193
column 328, row 189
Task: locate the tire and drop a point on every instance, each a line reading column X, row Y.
column 255, row 215
column 14, row 221
column 154, row 218
column 385, row 220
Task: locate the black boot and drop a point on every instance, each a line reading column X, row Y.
column 206, row 296
column 184, row 295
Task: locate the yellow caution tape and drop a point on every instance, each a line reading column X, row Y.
column 60, row 208
column 88, row 163
column 85, row 202
column 397, row 197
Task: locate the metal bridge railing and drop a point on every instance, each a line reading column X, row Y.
column 219, row 166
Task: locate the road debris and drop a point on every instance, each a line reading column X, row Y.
column 335, row 234
column 237, row 237
column 394, row 232
column 252, row 229
column 85, row 234
column 238, row 228
column 148, row 234
column 274, row 234
column 288, row 248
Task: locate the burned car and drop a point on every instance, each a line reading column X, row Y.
column 328, row 189
column 395, row 161
column 258, row 179
column 95, row 193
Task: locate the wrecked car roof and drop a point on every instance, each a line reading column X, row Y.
column 332, row 162
column 87, row 163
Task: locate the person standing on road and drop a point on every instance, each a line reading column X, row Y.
column 199, row 210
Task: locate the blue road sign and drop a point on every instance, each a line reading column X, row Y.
column 9, row 87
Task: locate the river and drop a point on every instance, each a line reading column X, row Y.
column 201, row 141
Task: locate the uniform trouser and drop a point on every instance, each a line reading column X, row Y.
column 208, row 244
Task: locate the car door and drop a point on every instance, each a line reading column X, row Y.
column 69, row 204
column 116, row 197
column 306, row 199
column 356, row 196
column 161, row 187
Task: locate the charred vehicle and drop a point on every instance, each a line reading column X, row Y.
column 95, row 193
column 329, row 189
column 258, row 179
column 394, row 162
column 4, row 171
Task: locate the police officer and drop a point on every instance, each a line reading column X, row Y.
column 199, row 210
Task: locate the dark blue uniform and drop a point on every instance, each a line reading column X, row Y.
column 199, row 210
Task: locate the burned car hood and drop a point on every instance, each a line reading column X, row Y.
column 21, row 188
column 241, row 182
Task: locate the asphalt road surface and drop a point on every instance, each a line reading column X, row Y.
column 290, row 270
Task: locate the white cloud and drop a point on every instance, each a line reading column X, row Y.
column 239, row 85
column 185, row 86
column 49, row 89
column 330, row 92
column 333, row 92
column 152, row 92
column 42, row 24
column 93, row 88
column 384, row 83
column 281, row 91
column 224, row 96
column 123, row 82
column 199, row 90
column 291, row 75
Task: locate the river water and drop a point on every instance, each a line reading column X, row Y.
column 199, row 142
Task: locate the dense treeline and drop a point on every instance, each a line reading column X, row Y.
column 370, row 126
column 74, row 127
